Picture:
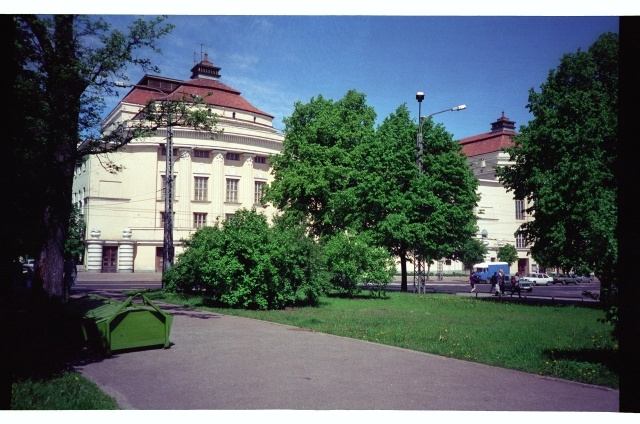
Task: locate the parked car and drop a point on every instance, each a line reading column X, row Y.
column 565, row 279
column 584, row 278
column 538, row 279
column 525, row 285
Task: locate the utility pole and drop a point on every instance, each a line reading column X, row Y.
column 420, row 266
column 167, row 243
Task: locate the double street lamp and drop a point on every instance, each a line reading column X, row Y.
column 419, row 269
column 167, row 243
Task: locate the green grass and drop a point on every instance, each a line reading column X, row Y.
column 67, row 391
column 561, row 341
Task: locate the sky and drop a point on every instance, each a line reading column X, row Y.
column 486, row 62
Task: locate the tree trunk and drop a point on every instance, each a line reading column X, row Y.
column 65, row 88
column 403, row 270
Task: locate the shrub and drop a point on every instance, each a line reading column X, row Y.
column 352, row 261
column 246, row 263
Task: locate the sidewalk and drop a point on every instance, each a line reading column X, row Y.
column 220, row 362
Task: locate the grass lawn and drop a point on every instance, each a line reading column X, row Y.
column 66, row 391
column 561, row 341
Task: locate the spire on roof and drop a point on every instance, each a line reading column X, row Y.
column 205, row 70
column 503, row 124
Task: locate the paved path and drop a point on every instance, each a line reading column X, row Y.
column 220, row 362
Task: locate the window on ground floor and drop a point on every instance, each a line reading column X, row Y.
column 199, row 220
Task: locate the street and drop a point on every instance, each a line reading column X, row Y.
column 95, row 283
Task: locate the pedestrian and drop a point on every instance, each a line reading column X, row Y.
column 494, row 283
column 70, row 274
column 473, row 280
column 501, row 281
column 515, row 284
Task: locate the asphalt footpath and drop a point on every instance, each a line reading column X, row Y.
column 222, row 362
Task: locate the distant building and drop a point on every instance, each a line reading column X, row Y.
column 124, row 212
column 499, row 214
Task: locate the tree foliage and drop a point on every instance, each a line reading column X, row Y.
column 316, row 160
column 337, row 173
column 246, row 263
column 74, row 245
column 62, row 69
column 353, row 262
column 564, row 164
column 508, row 253
column 471, row 252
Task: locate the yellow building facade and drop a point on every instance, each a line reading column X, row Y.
column 212, row 178
column 499, row 214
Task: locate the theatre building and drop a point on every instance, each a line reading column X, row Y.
column 212, row 177
column 499, row 214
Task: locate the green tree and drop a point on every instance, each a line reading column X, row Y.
column 471, row 252
column 445, row 195
column 405, row 210
column 337, row 173
column 316, row 160
column 564, row 164
column 77, row 227
column 508, row 254
column 382, row 204
column 65, row 66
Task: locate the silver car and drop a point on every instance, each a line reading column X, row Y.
column 538, row 279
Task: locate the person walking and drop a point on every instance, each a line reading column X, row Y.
column 501, row 281
column 473, row 279
column 494, row 284
column 515, row 284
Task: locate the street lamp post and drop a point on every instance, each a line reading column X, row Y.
column 420, row 266
column 167, row 242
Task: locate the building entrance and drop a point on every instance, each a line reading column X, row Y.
column 109, row 259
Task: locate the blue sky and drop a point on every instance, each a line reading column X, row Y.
column 486, row 60
column 488, row 63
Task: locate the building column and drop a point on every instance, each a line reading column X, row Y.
column 94, row 252
column 219, row 186
column 182, row 208
column 125, row 252
column 247, row 182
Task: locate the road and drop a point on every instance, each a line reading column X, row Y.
column 98, row 282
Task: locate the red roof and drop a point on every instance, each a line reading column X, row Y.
column 486, row 143
column 499, row 137
column 214, row 92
